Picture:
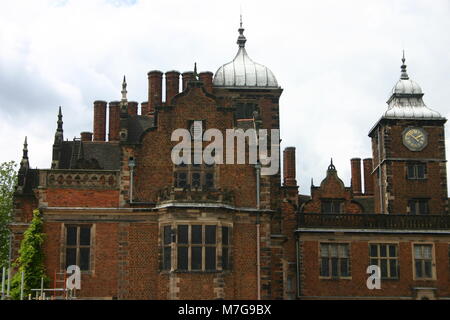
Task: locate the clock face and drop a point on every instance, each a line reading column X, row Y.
column 415, row 139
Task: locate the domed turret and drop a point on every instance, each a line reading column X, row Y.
column 243, row 72
column 406, row 100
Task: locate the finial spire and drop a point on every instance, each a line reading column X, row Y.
column 241, row 39
column 331, row 166
column 124, row 89
column 24, row 162
column 195, row 71
column 60, row 121
column 404, row 75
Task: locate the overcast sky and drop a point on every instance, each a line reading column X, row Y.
column 337, row 62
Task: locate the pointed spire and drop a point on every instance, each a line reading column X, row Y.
column 241, row 39
column 195, row 71
column 312, row 182
column 124, row 89
column 331, row 166
column 24, row 162
column 403, row 75
column 60, row 121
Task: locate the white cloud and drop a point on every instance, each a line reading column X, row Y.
column 336, row 60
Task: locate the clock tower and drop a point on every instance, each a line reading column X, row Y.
column 408, row 146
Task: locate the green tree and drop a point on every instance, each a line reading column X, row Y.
column 31, row 259
column 8, row 180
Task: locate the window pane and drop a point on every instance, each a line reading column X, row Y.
column 210, row 259
column 420, row 171
column 383, row 251
column 167, row 235
column 324, row 267
column 343, row 251
column 374, row 262
column 182, row 258
column 210, row 234
column 334, row 267
column 393, row 268
column 423, row 207
column 225, row 259
column 196, row 234
column 411, row 172
column 166, row 258
column 344, row 267
column 336, row 206
column 392, row 251
column 196, row 179
column 383, row 267
column 182, row 234
column 412, row 206
column 71, row 236
column 324, row 250
column 417, row 251
column 427, row 269
column 85, row 236
column 373, row 250
column 419, row 271
column 84, row 258
column 225, row 236
column 333, row 250
column 71, row 257
column 196, row 258
column 209, row 180
column 181, row 179
column 427, row 252
column 326, row 206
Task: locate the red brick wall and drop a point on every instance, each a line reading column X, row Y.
column 82, row 198
column 312, row 285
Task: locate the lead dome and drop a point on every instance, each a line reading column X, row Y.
column 243, row 71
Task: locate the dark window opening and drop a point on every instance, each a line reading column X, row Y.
column 418, row 206
column 78, row 247
column 416, row 171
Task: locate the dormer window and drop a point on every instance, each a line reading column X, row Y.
column 331, row 206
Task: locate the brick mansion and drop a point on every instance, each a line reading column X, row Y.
column 141, row 227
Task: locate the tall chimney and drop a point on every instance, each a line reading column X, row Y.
column 99, row 120
column 154, row 90
column 172, row 85
column 132, row 108
column 289, row 167
column 187, row 76
column 86, row 136
column 144, row 108
column 114, row 121
column 368, row 177
column 356, row 175
column 206, row 77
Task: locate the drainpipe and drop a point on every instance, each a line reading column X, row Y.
column 131, row 164
column 258, row 255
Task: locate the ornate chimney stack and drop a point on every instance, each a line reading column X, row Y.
column 99, row 120
column 356, row 175
column 154, row 91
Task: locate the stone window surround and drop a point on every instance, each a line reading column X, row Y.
column 63, row 241
column 433, row 261
column 319, row 243
column 174, row 246
column 397, row 244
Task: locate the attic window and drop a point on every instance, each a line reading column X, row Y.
column 331, row 206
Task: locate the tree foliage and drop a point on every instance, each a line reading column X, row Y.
column 31, row 259
column 8, row 180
